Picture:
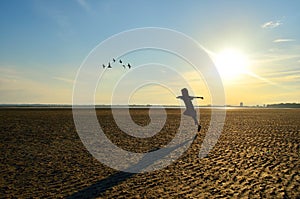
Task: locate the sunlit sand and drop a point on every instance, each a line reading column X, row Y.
column 256, row 156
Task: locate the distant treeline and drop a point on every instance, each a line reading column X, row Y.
column 284, row 105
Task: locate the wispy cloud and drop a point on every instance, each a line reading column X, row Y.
column 56, row 14
column 19, row 85
column 292, row 79
column 283, row 73
column 283, row 40
column 64, row 79
column 276, row 55
column 271, row 24
column 283, row 77
column 84, row 5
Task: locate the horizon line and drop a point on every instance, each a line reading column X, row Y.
column 132, row 105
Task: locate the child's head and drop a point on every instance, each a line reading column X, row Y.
column 184, row 91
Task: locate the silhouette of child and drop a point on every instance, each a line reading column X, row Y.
column 190, row 110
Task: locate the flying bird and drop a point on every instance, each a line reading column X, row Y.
column 114, row 60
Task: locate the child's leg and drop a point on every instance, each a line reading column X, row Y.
column 195, row 120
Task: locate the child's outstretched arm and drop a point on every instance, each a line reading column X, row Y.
column 197, row 97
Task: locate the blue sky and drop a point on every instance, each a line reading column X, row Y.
column 44, row 42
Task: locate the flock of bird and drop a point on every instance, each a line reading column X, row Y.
column 113, row 61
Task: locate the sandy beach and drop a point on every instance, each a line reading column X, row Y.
column 257, row 156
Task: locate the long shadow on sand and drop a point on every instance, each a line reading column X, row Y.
column 100, row 187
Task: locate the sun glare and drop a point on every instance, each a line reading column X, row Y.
column 231, row 63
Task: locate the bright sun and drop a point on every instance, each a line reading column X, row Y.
column 231, row 63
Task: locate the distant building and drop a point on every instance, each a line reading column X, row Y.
column 241, row 104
